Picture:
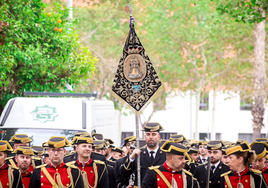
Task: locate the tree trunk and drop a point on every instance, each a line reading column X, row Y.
column 259, row 78
column 198, row 93
column 213, row 134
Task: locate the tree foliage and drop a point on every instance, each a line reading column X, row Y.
column 39, row 49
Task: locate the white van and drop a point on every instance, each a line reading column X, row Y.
column 41, row 117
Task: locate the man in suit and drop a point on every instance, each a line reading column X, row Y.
column 151, row 155
column 217, row 166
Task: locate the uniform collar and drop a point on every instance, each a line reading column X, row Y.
column 84, row 164
column 168, row 168
column 26, row 173
column 243, row 172
column 263, row 169
column 3, row 166
column 59, row 166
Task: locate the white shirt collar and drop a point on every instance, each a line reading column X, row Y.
column 155, row 151
column 216, row 165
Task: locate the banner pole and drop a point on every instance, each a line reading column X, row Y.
column 138, row 147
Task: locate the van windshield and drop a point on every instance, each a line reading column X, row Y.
column 38, row 136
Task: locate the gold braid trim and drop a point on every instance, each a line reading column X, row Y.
column 10, row 177
column 78, row 177
column 1, row 186
column 58, row 177
column 228, row 182
column 184, row 179
column 84, row 175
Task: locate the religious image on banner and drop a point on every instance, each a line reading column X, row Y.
column 136, row 80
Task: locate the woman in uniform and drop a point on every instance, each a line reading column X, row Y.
column 241, row 175
column 9, row 176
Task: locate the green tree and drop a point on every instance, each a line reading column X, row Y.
column 39, row 49
column 253, row 11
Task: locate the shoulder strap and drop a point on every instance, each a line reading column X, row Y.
column 184, row 179
column 48, row 176
column 228, row 182
column 12, row 163
column 252, row 183
column 163, row 177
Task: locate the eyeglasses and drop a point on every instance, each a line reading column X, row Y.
column 56, row 150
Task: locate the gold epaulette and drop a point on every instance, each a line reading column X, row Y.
column 112, row 161
column 71, row 164
column 36, row 158
column 14, row 167
column 99, row 162
column 226, row 173
column 154, row 167
column 256, row 171
column 143, row 147
column 9, row 158
column 40, row 166
column 186, row 172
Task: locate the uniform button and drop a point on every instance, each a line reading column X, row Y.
column 159, row 187
column 68, row 176
column 42, row 184
column 158, row 179
column 57, row 169
column 7, row 183
column 219, row 182
column 91, row 171
column 246, row 181
column 67, row 184
column 42, row 176
column 179, row 177
column 209, row 181
column 225, row 186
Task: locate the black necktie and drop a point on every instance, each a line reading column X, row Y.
column 152, row 156
column 212, row 169
column 203, row 160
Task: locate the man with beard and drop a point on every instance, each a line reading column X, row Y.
column 171, row 173
column 57, row 173
column 217, row 167
column 24, row 160
column 122, row 180
column 149, row 156
column 261, row 149
column 94, row 172
column 203, row 157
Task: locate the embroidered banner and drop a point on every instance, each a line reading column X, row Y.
column 136, row 80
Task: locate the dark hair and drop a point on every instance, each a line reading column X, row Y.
column 248, row 157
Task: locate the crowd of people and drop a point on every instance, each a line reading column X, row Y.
column 96, row 163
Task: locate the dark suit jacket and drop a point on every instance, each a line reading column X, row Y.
column 215, row 178
column 131, row 167
column 120, row 179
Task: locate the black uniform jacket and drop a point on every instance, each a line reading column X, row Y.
column 129, row 167
column 111, row 176
column 190, row 166
column 93, row 156
column 121, row 180
column 151, row 181
column 4, row 178
column 38, row 178
column 215, row 178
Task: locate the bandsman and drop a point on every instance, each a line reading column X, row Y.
column 123, row 181
column 203, row 157
column 217, row 166
column 261, row 149
column 18, row 140
column 171, row 173
column 74, row 155
column 24, row 160
column 240, row 157
column 9, row 175
column 117, row 153
column 151, row 155
column 57, row 173
column 94, row 172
